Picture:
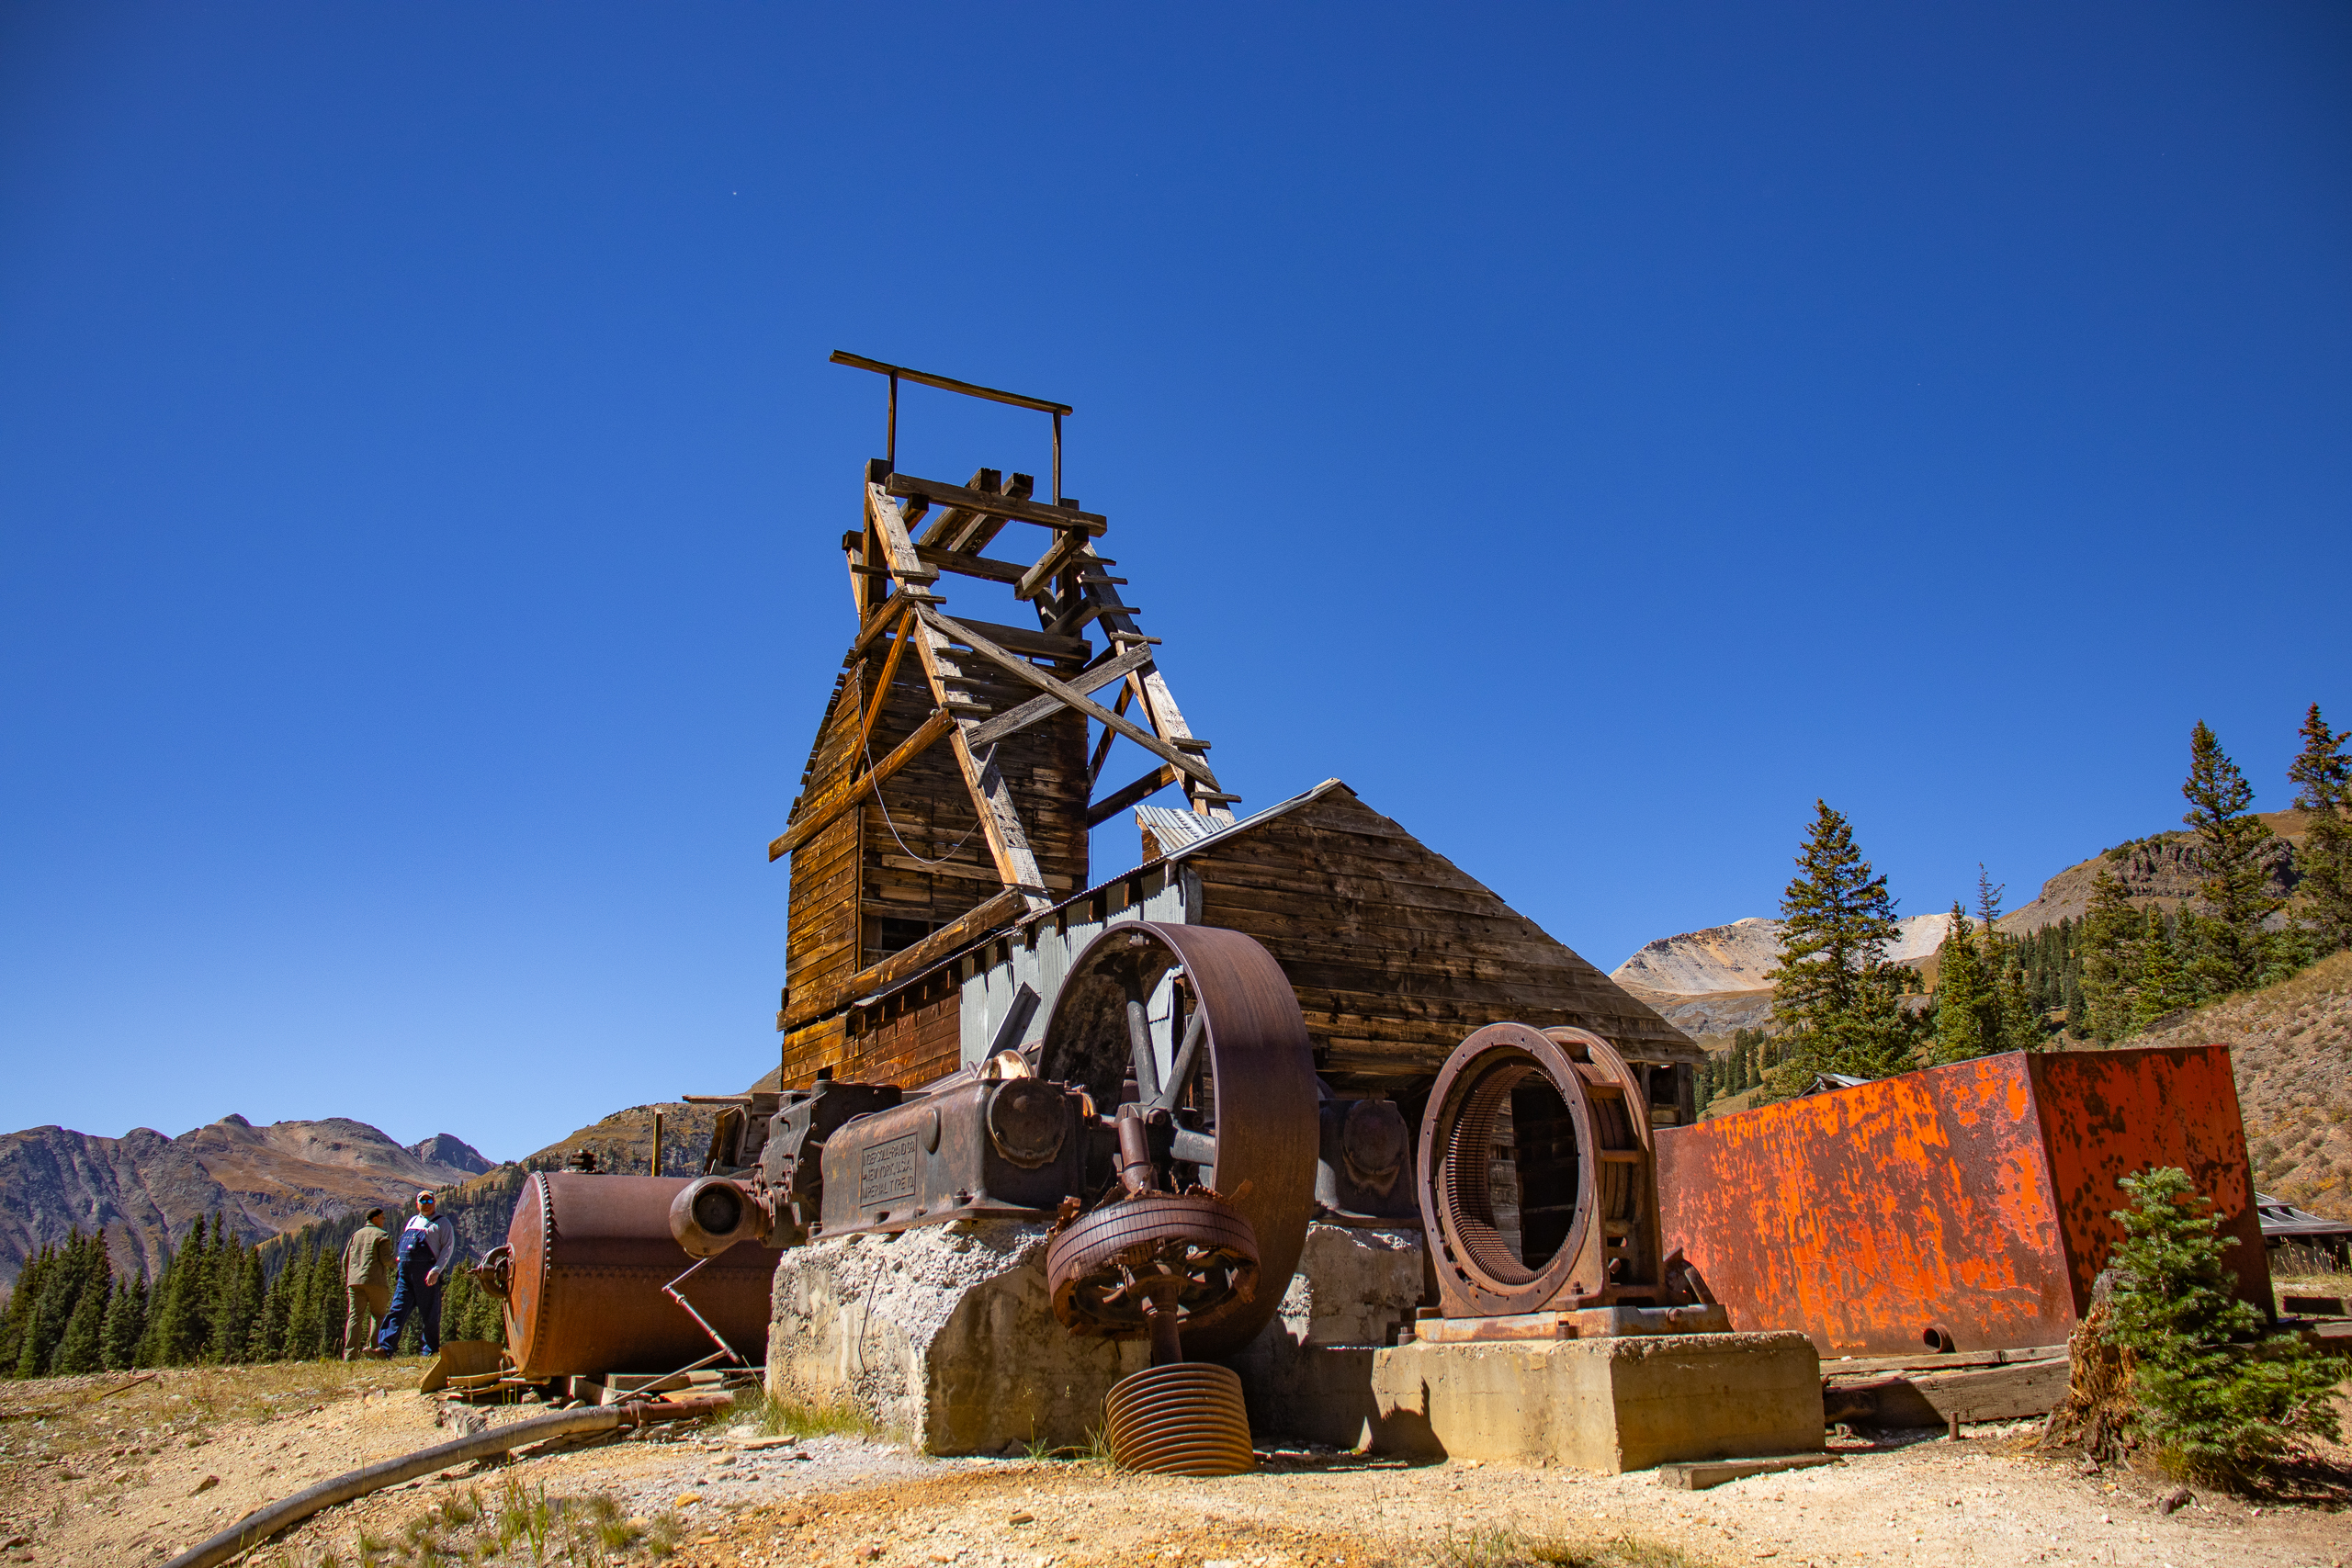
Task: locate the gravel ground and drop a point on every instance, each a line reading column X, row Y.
column 732, row 1499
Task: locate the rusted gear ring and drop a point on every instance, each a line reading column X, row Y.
column 1588, row 1206
column 1101, row 1269
column 1255, row 1084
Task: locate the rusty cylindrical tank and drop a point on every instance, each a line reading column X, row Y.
column 589, row 1255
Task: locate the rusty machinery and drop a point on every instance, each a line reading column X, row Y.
column 1180, row 1191
column 592, row 1283
column 1560, row 1115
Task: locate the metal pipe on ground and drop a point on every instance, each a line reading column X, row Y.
column 260, row 1525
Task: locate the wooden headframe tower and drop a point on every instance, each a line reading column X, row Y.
column 954, row 778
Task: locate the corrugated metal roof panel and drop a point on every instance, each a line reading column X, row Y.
column 2280, row 1218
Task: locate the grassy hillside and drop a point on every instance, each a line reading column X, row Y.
column 2291, row 1047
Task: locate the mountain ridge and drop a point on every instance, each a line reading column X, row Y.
column 144, row 1191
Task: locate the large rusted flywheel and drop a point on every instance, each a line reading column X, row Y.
column 1240, row 1122
column 1567, row 1115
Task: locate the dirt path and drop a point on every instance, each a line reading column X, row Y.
column 719, row 1500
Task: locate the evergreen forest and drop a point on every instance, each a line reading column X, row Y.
column 1840, row 1006
column 215, row 1301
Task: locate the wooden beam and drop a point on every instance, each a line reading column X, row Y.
column 1118, row 800
column 1103, row 747
column 1088, row 522
column 1093, row 678
column 1028, row 639
column 959, row 523
column 963, row 565
column 881, row 620
column 882, row 687
column 843, row 796
column 1026, row 670
column 980, row 530
column 1001, row 822
column 961, row 871
column 897, row 551
column 1059, row 554
column 950, row 523
column 1016, row 862
column 948, row 383
column 1072, row 622
column 948, row 939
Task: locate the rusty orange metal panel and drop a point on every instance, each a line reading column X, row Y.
column 2110, row 1113
column 1967, row 1201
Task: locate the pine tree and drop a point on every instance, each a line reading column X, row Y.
column 2162, row 988
column 303, row 1311
column 276, row 1313
column 2323, row 778
column 2235, row 951
column 333, row 1300
column 1838, row 1000
column 1967, row 1010
column 2214, row 1405
column 78, row 1345
column 2110, row 942
column 183, row 1325
column 125, row 1322
column 67, row 1274
column 236, row 1297
column 16, row 1325
column 2020, row 1026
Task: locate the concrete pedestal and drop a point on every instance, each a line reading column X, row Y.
column 1602, row 1405
column 1308, row 1373
column 943, row 1334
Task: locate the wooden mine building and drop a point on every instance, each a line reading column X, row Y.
column 940, row 881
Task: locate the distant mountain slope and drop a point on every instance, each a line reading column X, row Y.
column 1711, row 982
column 1738, row 956
column 2153, row 870
column 145, row 1189
column 292, row 1179
column 2291, row 1051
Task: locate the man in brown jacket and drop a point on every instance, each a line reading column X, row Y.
column 367, row 1281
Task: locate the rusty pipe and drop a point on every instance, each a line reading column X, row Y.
column 1136, row 1172
column 713, row 1213
column 262, row 1523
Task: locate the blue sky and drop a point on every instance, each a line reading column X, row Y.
column 1593, row 433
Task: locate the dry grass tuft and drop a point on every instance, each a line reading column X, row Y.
column 1502, row 1548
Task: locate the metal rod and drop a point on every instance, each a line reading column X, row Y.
column 1181, row 1068
column 891, row 452
column 1057, row 459
column 657, row 1142
column 1140, row 1047
column 671, row 1291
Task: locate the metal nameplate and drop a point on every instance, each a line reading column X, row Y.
column 888, row 1171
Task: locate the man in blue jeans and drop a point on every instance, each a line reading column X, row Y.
column 427, row 1246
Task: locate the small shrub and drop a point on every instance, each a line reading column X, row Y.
column 2218, row 1400
column 663, row 1532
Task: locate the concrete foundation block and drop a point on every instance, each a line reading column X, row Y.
column 943, row 1334
column 1308, row 1373
column 1600, row 1405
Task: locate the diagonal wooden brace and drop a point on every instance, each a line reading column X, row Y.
column 1022, row 669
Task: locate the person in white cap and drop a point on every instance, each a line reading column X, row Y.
column 428, row 1245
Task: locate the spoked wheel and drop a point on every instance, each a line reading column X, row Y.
column 1110, row 1270
column 1245, row 1087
